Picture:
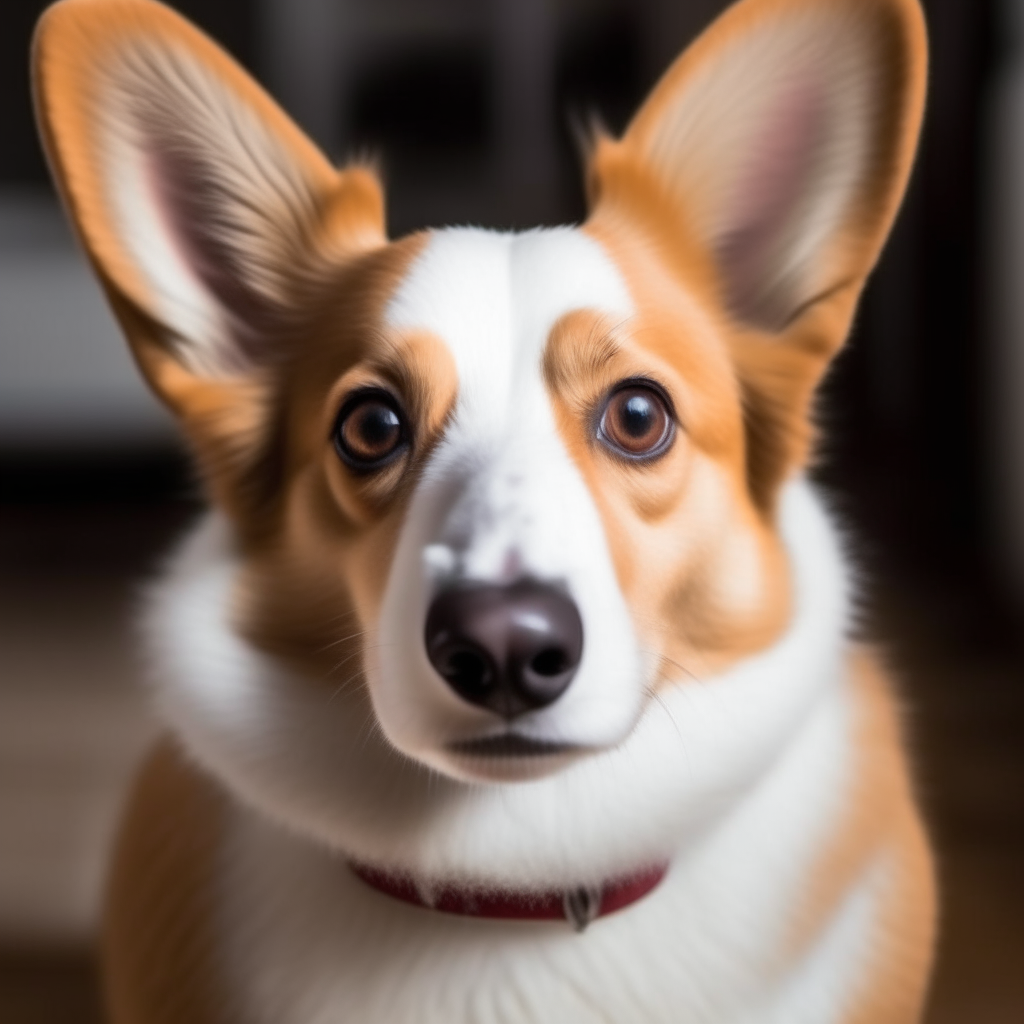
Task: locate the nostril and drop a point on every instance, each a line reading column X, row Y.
column 550, row 662
column 468, row 671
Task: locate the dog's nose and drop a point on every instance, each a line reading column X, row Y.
column 509, row 649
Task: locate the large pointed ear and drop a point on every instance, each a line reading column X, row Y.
column 771, row 160
column 201, row 205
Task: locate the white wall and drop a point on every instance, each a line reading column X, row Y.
column 66, row 376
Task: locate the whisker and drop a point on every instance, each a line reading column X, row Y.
column 342, row 687
column 342, row 616
column 342, row 640
column 347, row 659
column 366, row 731
column 670, row 661
column 655, row 696
column 355, row 654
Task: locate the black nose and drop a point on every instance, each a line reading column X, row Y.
column 509, row 649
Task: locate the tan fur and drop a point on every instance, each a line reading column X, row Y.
column 693, row 535
column 683, row 526
column 160, row 948
column 77, row 52
column 744, row 397
column 880, row 820
column 642, row 220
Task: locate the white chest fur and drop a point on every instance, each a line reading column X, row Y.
column 308, row 943
column 740, row 781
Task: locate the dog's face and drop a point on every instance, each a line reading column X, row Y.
column 508, row 427
column 490, row 497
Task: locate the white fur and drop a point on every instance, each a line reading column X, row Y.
column 308, row 942
column 737, row 781
column 500, row 497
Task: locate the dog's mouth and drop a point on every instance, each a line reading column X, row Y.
column 512, row 744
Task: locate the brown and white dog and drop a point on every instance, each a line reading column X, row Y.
column 510, row 678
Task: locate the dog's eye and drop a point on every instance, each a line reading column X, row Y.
column 370, row 430
column 636, row 422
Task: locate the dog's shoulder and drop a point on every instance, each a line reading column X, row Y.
column 879, row 837
column 158, row 939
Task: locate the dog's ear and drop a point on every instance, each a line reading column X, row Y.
column 770, row 161
column 201, row 205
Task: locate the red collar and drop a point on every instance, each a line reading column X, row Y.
column 577, row 906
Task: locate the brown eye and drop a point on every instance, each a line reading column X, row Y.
column 370, row 430
column 636, row 422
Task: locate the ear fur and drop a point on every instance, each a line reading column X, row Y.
column 766, row 168
column 201, row 205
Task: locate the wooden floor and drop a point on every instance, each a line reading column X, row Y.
column 55, row 986
column 963, row 678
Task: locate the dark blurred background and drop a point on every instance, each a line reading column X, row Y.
column 470, row 106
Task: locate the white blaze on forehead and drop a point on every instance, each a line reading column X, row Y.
column 493, row 298
column 500, row 496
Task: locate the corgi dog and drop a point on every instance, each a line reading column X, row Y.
column 510, row 678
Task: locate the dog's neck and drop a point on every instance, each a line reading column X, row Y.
column 286, row 900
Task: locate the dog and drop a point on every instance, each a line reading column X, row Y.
column 511, row 677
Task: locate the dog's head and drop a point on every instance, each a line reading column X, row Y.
column 486, row 499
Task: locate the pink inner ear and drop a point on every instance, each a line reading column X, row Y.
column 779, row 167
column 194, row 209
